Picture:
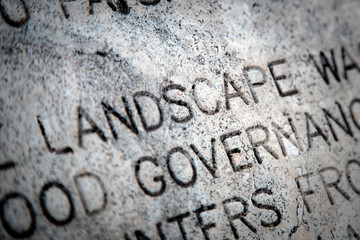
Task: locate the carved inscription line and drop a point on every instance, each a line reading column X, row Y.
column 85, row 200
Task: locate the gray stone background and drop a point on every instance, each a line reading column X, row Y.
column 51, row 65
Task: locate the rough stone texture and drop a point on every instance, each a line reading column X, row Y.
column 52, row 65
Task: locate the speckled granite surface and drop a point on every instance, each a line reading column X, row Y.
column 127, row 119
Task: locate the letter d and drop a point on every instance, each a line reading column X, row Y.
column 92, row 192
